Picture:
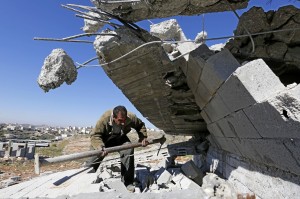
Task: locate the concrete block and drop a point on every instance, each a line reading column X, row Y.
column 186, row 48
column 247, row 150
column 196, row 62
column 30, row 151
column 2, row 153
column 164, row 178
column 205, row 117
column 212, row 141
column 217, row 69
column 270, row 152
column 202, row 95
column 194, row 70
column 278, row 117
column 185, row 183
column 214, row 129
column 20, row 152
column 293, row 145
column 216, row 108
column 192, row 85
column 15, row 146
column 174, row 170
column 238, row 125
column 1, row 145
column 117, row 185
column 249, row 84
column 227, row 144
column 191, row 170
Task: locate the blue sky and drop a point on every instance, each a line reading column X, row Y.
column 82, row 103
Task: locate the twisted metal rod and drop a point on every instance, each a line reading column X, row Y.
column 69, row 39
column 112, row 2
column 99, row 20
column 246, row 29
column 176, row 42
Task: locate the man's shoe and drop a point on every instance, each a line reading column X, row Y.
column 130, row 188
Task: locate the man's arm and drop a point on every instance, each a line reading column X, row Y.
column 97, row 135
column 140, row 128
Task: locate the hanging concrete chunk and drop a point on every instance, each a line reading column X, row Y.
column 58, row 68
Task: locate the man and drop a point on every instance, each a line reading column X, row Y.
column 111, row 130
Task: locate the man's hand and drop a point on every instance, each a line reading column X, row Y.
column 145, row 142
column 104, row 152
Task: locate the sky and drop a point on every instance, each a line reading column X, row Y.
column 83, row 102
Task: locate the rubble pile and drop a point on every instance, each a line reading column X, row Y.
column 165, row 176
column 280, row 50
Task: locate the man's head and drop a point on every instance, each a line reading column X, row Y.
column 119, row 115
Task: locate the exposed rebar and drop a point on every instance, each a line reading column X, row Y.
column 174, row 42
column 246, row 29
column 69, row 39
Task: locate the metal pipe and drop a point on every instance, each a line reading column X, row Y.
column 38, row 161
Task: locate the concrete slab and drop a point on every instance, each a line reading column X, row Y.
column 217, row 69
column 249, row 84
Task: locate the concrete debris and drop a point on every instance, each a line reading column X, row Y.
column 9, row 182
column 214, row 186
column 200, row 38
column 279, row 50
column 168, row 30
column 92, row 26
column 58, row 68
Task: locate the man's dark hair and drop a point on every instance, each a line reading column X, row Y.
column 118, row 109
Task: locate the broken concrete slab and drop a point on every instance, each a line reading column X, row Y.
column 217, row 69
column 249, row 84
column 58, row 68
column 140, row 10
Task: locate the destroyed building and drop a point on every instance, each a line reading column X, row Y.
column 243, row 98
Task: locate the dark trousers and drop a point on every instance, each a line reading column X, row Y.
column 126, row 157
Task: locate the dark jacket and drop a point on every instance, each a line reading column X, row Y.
column 103, row 131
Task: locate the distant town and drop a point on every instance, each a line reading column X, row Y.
column 42, row 132
column 9, row 131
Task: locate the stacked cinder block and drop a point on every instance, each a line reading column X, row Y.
column 248, row 111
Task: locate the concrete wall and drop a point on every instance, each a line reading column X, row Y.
column 247, row 176
column 252, row 115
